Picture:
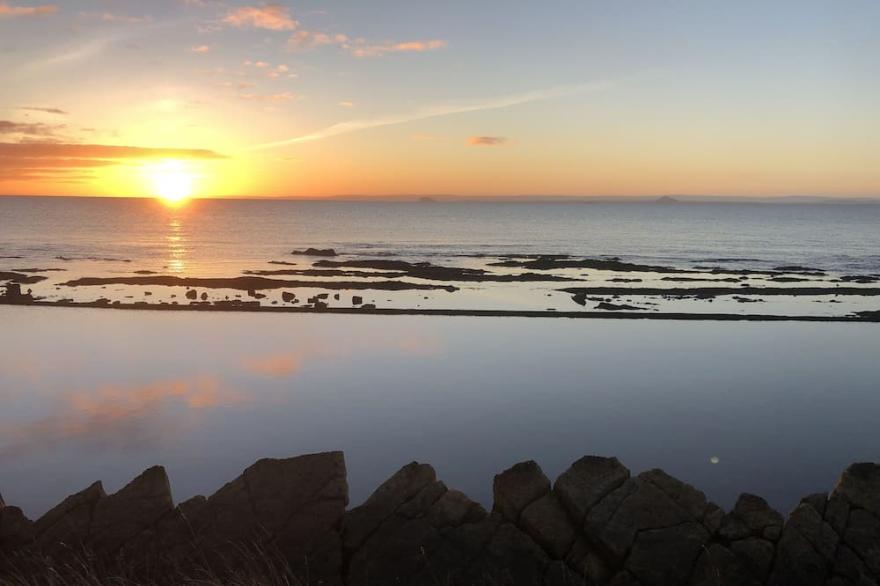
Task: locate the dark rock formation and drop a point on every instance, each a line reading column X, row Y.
column 596, row 525
column 315, row 252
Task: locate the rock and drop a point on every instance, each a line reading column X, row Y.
column 653, row 525
column 751, row 517
column 191, row 294
column 518, row 487
column 295, row 504
column 586, row 482
column 666, row 555
column 547, row 522
column 123, row 515
column 69, row 521
column 287, row 297
column 315, row 252
column 204, row 296
column 357, row 300
column 405, row 484
column 860, row 486
column 16, row 529
column 718, row 566
column 756, row 555
column 805, row 550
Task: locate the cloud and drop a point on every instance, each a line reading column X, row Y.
column 58, row 111
column 65, row 162
column 438, row 111
column 377, row 50
column 29, row 129
column 361, row 48
column 275, row 98
column 346, row 104
column 305, row 39
column 487, row 140
column 273, row 17
column 110, row 17
column 51, row 150
column 201, row 49
column 7, row 11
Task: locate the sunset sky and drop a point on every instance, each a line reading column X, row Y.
column 498, row 97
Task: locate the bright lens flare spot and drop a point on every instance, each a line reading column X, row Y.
column 172, row 181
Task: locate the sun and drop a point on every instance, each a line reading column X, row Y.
column 172, row 181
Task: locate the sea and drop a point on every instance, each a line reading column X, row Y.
column 777, row 409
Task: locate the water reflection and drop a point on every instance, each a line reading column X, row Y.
column 117, row 416
column 176, row 242
column 774, row 409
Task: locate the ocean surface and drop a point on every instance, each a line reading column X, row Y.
column 128, row 249
column 212, row 236
column 773, row 408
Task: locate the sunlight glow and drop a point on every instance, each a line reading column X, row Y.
column 173, row 181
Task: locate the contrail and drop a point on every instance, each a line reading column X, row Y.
column 436, row 111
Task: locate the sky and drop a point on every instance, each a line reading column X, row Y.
column 309, row 98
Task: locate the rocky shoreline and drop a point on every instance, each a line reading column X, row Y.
column 286, row 521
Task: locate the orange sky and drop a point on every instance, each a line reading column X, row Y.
column 206, row 98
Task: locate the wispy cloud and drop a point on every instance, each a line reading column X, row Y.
column 272, row 98
column 98, row 151
column 273, row 17
column 58, row 111
column 201, row 49
column 438, row 111
column 10, row 11
column 29, row 129
column 487, row 140
column 111, row 17
column 363, row 49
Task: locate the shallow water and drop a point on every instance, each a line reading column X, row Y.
column 116, row 238
column 91, row 394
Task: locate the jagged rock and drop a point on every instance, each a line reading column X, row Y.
column 652, row 525
column 413, row 530
column 287, row 297
column 588, row 481
column 547, row 522
column 15, row 529
column 718, row 566
column 69, row 521
column 296, row 504
column 408, row 482
column 123, row 515
column 518, row 487
column 666, row 555
column 806, row 549
column 860, row 486
column 750, row 531
column 646, row 530
column 192, row 294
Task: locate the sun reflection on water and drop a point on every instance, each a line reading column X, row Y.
column 177, row 251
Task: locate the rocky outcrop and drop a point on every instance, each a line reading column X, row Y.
column 596, row 524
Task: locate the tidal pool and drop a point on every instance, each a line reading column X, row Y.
column 777, row 409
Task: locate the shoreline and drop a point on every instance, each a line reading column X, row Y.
column 869, row 317
column 596, row 523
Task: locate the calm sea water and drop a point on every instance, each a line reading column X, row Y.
column 214, row 236
column 91, row 394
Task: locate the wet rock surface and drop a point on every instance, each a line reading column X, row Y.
column 596, row 524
